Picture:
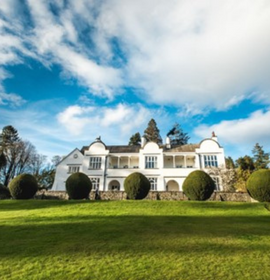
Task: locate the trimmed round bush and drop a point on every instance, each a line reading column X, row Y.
column 78, row 186
column 258, row 185
column 137, row 186
column 198, row 185
column 24, row 186
column 4, row 192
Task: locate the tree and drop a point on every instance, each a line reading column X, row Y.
column 151, row 133
column 258, row 185
column 137, row 186
column 3, row 160
column 198, row 185
column 177, row 135
column 135, row 139
column 55, row 160
column 245, row 163
column 18, row 154
column 229, row 163
column 245, row 167
column 260, row 158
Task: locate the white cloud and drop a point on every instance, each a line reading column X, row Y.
column 11, row 99
column 202, row 55
column 241, row 132
column 122, row 119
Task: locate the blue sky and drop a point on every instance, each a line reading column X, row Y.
column 74, row 70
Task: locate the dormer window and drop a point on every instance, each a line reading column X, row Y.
column 150, row 162
column 210, row 161
column 95, row 163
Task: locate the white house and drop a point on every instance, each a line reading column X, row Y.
column 165, row 166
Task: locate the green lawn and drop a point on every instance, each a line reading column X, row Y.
column 133, row 240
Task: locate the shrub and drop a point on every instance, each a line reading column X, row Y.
column 78, row 186
column 136, row 186
column 258, row 185
column 4, row 192
column 24, row 186
column 198, row 185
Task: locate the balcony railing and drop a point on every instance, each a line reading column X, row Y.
column 123, row 167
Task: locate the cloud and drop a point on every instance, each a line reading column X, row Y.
column 204, row 55
column 11, row 99
column 241, row 132
column 121, row 119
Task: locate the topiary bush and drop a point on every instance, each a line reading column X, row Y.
column 137, row 186
column 4, row 192
column 78, row 186
column 258, row 185
column 198, row 185
column 24, row 186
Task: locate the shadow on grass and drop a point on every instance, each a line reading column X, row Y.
column 31, row 204
column 135, row 235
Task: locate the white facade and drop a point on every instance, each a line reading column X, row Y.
column 166, row 167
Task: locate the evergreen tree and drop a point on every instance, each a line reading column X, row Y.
column 135, row 139
column 245, row 163
column 229, row 163
column 177, row 135
column 151, row 133
column 3, row 160
column 260, row 158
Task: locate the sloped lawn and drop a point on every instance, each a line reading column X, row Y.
column 133, row 240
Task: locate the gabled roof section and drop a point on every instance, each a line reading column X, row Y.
column 63, row 158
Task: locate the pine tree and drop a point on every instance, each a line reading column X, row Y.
column 135, row 139
column 151, row 133
column 229, row 163
column 177, row 135
column 260, row 158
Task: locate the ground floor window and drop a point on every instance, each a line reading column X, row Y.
column 73, row 169
column 153, row 183
column 95, row 183
column 217, row 183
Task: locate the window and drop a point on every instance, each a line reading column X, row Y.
column 95, row 183
column 73, row 169
column 153, row 184
column 95, row 163
column 217, row 183
column 210, row 161
column 150, row 162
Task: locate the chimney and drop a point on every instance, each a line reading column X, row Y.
column 143, row 141
column 168, row 142
column 214, row 137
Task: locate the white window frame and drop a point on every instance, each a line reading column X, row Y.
column 73, row 169
column 95, row 182
column 151, row 162
column 210, row 161
column 153, row 183
column 95, row 163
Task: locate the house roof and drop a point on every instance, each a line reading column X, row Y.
column 119, row 149
column 124, row 149
column 136, row 148
column 184, row 148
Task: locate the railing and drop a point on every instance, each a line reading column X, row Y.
column 122, row 167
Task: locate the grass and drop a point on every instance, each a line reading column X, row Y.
column 133, row 240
